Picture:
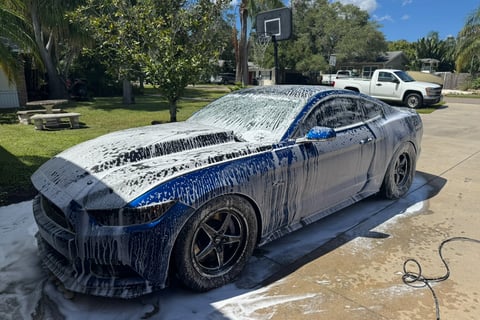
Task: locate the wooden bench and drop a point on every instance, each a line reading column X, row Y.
column 25, row 115
column 52, row 119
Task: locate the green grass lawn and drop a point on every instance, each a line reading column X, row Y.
column 23, row 149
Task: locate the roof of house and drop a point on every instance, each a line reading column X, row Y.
column 390, row 56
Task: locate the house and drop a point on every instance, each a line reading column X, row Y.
column 388, row 60
column 13, row 93
column 8, row 92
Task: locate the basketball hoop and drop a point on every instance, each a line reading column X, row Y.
column 260, row 46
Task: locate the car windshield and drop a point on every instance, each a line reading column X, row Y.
column 404, row 76
column 252, row 117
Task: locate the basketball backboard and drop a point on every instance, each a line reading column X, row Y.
column 277, row 22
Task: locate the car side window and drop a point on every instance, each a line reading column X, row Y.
column 352, row 112
column 334, row 113
column 385, row 77
column 370, row 108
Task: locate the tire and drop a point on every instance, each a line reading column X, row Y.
column 400, row 172
column 215, row 244
column 413, row 100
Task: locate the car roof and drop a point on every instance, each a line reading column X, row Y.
column 297, row 91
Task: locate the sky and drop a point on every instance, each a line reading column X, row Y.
column 412, row 20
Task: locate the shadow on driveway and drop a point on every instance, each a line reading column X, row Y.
column 289, row 253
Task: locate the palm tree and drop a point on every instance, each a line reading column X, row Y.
column 434, row 48
column 248, row 10
column 50, row 27
column 37, row 27
column 14, row 37
column 468, row 49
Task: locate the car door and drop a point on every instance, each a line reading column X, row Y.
column 384, row 140
column 386, row 85
column 335, row 170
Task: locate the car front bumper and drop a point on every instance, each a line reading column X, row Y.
column 123, row 262
column 429, row 100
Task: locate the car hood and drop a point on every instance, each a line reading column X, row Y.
column 114, row 169
column 423, row 85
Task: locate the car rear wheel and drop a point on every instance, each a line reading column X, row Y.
column 215, row 244
column 400, row 172
column 413, row 100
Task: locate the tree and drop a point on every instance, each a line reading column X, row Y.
column 356, row 38
column 432, row 47
column 13, row 34
column 169, row 41
column 51, row 29
column 226, row 39
column 322, row 28
column 448, row 64
column 40, row 29
column 468, row 48
column 116, row 27
column 183, row 44
column 408, row 48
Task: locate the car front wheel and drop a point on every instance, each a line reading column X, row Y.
column 413, row 100
column 400, row 172
column 214, row 245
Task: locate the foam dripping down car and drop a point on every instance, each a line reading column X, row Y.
column 120, row 214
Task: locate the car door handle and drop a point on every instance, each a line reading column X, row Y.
column 379, row 84
column 367, row 140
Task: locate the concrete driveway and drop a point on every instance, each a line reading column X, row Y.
column 358, row 274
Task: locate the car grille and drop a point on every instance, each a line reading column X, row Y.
column 55, row 214
column 436, row 91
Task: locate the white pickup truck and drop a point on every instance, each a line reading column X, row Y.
column 394, row 85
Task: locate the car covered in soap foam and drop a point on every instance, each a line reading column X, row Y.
column 122, row 213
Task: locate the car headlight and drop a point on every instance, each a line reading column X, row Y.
column 130, row 216
column 430, row 91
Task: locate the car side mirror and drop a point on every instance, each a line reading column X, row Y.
column 318, row 134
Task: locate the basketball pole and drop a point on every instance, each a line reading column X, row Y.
column 275, row 57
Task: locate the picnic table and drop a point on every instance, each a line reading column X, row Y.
column 47, row 104
column 48, row 107
column 49, row 116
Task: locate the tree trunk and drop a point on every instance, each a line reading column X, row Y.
column 243, row 65
column 56, row 88
column 238, row 75
column 173, row 110
column 128, row 97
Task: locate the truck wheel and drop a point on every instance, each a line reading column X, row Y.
column 413, row 100
column 215, row 244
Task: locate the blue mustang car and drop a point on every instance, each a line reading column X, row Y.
column 119, row 214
